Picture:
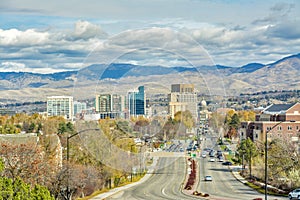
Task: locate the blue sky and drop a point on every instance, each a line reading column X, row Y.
column 50, row 36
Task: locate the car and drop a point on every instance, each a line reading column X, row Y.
column 207, row 149
column 221, row 159
column 212, row 153
column 189, row 148
column 295, row 194
column 227, row 163
column 212, row 159
column 203, row 155
column 208, row 178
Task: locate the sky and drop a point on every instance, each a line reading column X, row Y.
column 52, row 36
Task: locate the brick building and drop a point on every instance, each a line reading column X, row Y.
column 277, row 120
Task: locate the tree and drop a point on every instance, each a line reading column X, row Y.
column 24, row 161
column 186, row 118
column 140, row 123
column 246, row 115
column 19, row 190
column 31, row 128
column 235, row 121
column 282, row 158
column 248, row 151
column 169, row 129
column 216, row 121
column 232, row 121
column 62, row 128
column 51, row 125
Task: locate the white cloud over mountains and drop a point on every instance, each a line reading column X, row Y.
column 265, row 37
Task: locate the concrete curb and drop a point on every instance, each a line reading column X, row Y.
column 238, row 177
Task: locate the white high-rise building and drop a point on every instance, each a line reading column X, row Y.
column 60, row 106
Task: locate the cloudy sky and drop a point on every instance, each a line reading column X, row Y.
column 50, row 36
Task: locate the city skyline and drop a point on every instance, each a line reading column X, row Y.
column 43, row 37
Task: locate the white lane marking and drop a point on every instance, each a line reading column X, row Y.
column 163, row 191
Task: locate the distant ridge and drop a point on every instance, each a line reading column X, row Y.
column 252, row 77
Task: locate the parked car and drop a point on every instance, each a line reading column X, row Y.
column 203, row 155
column 227, row 163
column 208, row 178
column 212, row 159
column 295, row 194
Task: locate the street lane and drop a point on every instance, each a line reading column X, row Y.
column 224, row 184
column 165, row 183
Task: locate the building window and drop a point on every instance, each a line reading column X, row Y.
column 289, row 128
column 279, row 128
column 297, row 128
column 256, row 135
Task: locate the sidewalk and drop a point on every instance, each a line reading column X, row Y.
column 118, row 189
column 237, row 175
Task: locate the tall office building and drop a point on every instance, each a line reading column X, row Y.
column 109, row 105
column 182, row 98
column 103, row 103
column 60, row 106
column 137, row 101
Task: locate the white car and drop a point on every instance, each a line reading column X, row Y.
column 208, row 178
column 295, row 194
column 203, row 155
column 212, row 159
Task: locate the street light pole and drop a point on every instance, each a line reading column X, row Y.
column 68, row 156
column 266, row 159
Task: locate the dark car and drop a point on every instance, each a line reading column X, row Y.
column 227, row 163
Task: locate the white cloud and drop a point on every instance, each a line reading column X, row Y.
column 87, row 30
column 152, row 46
column 14, row 37
column 12, row 66
column 221, row 28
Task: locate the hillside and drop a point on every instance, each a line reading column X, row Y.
column 119, row 77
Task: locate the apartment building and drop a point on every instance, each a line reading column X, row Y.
column 109, row 105
column 277, row 120
column 60, row 106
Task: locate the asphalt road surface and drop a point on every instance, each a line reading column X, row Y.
column 224, row 185
column 165, row 183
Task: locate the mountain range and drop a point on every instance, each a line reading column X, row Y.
column 253, row 77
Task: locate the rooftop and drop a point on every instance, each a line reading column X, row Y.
column 278, row 108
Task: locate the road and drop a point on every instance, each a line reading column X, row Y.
column 224, row 185
column 167, row 180
column 165, row 183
